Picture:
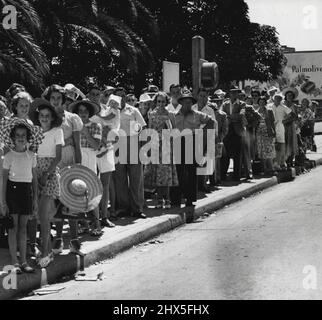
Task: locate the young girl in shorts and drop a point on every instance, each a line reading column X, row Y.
column 48, row 157
column 20, row 106
column 19, row 192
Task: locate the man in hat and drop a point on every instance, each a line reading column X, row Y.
column 187, row 118
column 129, row 176
column 220, row 94
column 175, row 94
column 152, row 91
column 271, row 92
column 218, row 100
column 107, row 91
column 145, row 104
column 235, row 110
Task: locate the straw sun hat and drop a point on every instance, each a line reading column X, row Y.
column 81, row 190
column 7, row 125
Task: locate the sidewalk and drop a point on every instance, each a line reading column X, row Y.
column 129, row 232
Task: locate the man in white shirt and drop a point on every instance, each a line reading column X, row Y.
column 271, row 91
column 175, row 94
column 280, row 113
column 129, row 182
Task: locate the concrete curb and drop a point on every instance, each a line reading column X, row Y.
column 225, row 200
column 66, row 265
column 138, row 235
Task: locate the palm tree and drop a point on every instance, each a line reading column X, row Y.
column 21, row 58
column 123, row 29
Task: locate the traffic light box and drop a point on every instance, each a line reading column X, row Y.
column 209, row 74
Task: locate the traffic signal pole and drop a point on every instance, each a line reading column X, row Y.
column 198, row 52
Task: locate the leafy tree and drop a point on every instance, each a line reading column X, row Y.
column 125, row 41
column 91, row 38
column 21, row 57
column 268, row 56
column 242, row 49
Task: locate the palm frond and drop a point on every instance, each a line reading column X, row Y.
column 148, row 21
column 121, row 39
column 32, row 52
column 11, row 63
column 29, row 15
column 88, row 32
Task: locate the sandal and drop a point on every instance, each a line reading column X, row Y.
column 96, row 233
column 16, row 269
column 107, row 223
column 160, row 204
column 167, row 204
column 82, row 230
column 45, row 261
column 25, row 267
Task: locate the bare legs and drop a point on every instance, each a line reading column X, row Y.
column 105, row 179
column 18, row 231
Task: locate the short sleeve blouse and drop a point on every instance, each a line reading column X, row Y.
column 71, row 123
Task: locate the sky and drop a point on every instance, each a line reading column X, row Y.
column 298, row 22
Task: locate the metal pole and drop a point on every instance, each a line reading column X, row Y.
column 198, row 52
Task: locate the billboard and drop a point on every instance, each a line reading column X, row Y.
column 303, row 71
column 171, row 74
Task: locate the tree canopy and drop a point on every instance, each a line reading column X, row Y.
column 125, row 41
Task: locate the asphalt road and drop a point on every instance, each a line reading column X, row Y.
column 258, row 248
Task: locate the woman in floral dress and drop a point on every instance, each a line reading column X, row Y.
column 162, row 175
column 265, row 136
column 307, row 124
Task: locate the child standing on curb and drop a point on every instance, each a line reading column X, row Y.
column 19, row 182
column 91, row 136
column 48, row 157
column 20, row 105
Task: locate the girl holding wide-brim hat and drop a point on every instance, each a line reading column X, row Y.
column 48, row 157
column 71, row 154
column 19, row 183
column 91, row 136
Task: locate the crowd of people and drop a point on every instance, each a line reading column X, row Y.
column 262, row 131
